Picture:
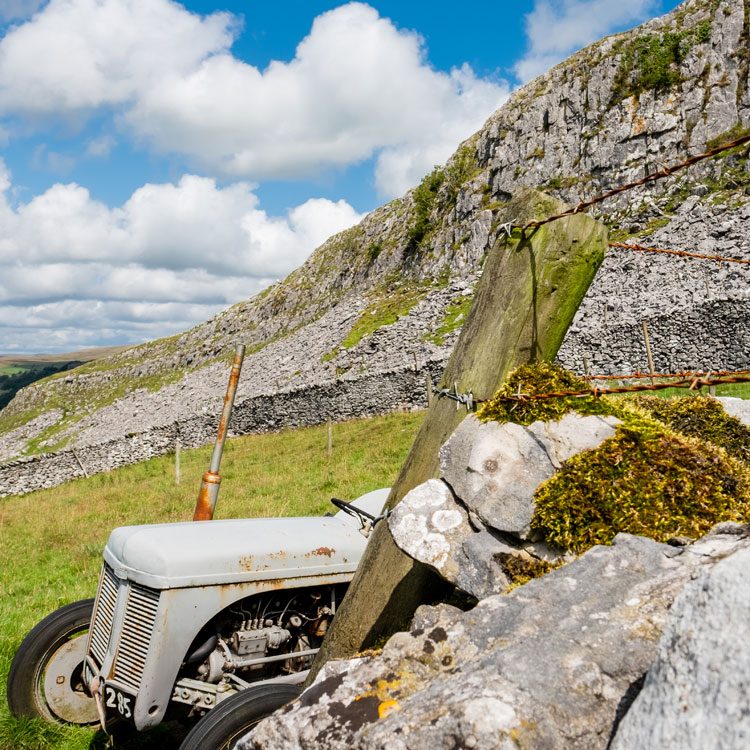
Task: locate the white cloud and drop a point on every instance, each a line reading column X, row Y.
column 356, row 86
column 80, row 54
column 169, row 257
column 101, row 146
column 555, row 28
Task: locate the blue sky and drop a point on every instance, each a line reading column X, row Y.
column 161, row 161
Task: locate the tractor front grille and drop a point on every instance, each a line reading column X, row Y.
column 104, row 615
column 135, row 636
column 129, row 638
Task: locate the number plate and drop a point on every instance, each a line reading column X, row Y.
column 116, row 700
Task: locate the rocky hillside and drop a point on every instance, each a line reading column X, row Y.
column 389, row 295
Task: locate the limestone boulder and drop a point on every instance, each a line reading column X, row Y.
column 495, row 469
column 553, row 664
column 430, row 526
column 697, row 693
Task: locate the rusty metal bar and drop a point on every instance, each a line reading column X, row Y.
column 204, row 508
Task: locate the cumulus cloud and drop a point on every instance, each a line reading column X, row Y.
column 170, row 256
column 357, row 86
column 555, row 28
column 81, row 54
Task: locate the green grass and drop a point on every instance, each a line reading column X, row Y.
column 454, row 317
column 52, row 540
column 383, row 312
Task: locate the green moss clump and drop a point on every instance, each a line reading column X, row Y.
column 646, row 480
column 535, row 378
column 521, row 570
column 701, row 417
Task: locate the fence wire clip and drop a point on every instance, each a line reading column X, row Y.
column 507, row 228
column 467, row 399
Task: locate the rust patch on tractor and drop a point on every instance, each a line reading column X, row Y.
column 322, row 551
column 276, row 583
column 247, row 562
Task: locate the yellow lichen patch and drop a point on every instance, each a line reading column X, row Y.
column 387, row 692
column 388, row 707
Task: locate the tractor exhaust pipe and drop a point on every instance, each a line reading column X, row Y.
column 204, row 508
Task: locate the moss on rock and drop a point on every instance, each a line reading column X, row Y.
column 521, row 570
column 674, row 468
column 646, row 480
column 538, row 378
column 701, row 417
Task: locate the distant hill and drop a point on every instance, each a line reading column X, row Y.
column 80, row 356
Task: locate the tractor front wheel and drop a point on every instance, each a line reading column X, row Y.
column 46, row 675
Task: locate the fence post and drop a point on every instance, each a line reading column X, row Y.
column 177, row 447
column 330, row 438
column 80, row 463
column 650, row 357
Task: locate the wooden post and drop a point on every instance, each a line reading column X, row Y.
column 330, row 438
column 177, row 461
column 80, row 463
column 586, row 368
column 650, row 357
column 525, row 301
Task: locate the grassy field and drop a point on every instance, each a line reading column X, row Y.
column 51, row 541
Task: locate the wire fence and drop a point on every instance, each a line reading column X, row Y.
column 653, row 177
column 689, row 379
column 679, row 253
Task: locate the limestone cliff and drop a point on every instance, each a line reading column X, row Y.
column 389, row 295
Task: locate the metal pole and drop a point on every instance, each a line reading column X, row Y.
column 177, row 461
column 204, row 508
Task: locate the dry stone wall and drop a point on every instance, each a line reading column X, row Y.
column 339, row 400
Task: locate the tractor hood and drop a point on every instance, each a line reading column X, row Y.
column 209, row 553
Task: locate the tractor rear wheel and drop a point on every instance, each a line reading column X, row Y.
column 235, row 716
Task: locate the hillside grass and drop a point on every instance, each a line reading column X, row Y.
column 52, row 540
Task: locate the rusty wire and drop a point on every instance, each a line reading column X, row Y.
column 661, row 174
column 661, row 375
column 680, row 253
column 689, row 380
column 692, row 384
